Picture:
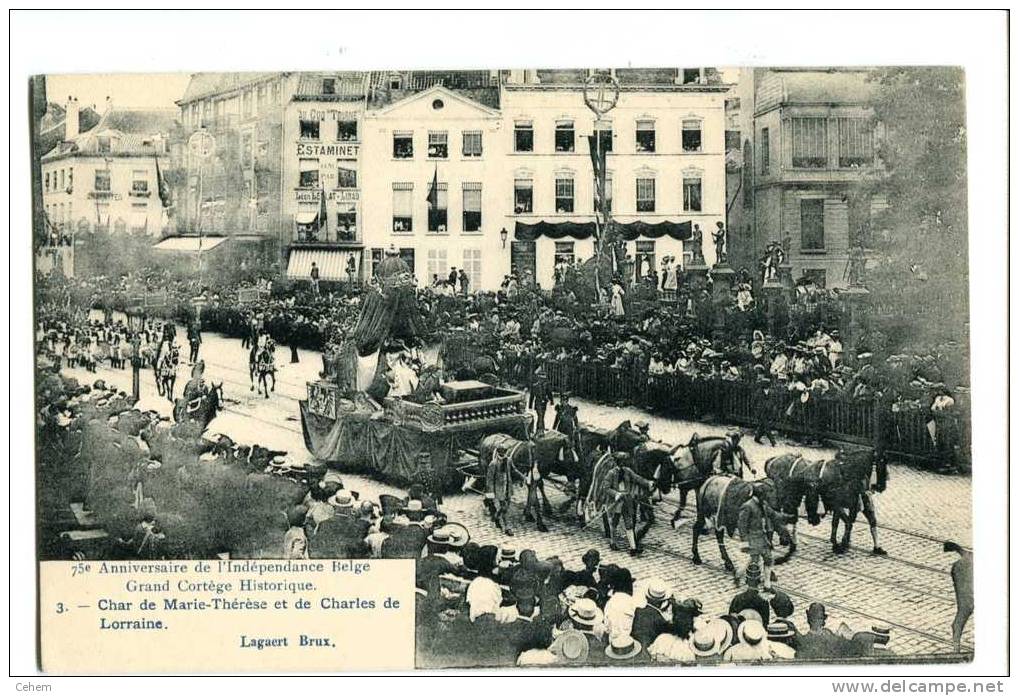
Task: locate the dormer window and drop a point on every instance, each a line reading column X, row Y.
column 329, row 86
column 104, row 143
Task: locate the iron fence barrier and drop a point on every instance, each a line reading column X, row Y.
column 903, row 434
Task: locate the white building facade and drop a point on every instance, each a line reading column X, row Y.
column 665, row 168
column 442, row 139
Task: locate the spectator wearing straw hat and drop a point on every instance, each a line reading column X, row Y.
column 623, row 649
column 656, row 616
column 752, row 644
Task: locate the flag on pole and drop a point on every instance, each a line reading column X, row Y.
column 163, row 189
column 433, row 190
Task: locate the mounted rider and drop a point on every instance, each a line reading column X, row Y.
column 196, row 387
column 731, row 455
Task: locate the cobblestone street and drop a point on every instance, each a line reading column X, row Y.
column 910, row 589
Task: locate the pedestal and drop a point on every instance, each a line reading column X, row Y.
column 697, row 276
column 773, row 297
column 785, row 277
column 857, row 299
column 722, row 277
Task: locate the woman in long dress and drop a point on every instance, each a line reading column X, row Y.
column 617, row 299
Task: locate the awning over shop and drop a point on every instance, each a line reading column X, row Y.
column 189, row 244
column 306, row 217
column 585, row 230
column 332, row 263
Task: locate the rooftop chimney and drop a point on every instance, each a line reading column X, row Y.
column 71, row 124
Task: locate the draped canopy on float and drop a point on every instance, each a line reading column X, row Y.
column 627, row 231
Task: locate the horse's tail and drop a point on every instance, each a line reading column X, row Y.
column 881, row 464
column 811, row 502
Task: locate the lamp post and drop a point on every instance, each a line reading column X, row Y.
column 136, row 364
column 503, row 235
column 601, row 94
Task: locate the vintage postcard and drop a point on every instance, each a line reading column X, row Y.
column 566, row 367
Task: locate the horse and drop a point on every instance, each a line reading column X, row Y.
column 720, row 500
column 692, row 464
column 166, row 373
column 197, row 413
column 796, row 481
column 844, row 487
column 265, row 367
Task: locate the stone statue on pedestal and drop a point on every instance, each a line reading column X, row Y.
column 697, row 250
column 718, row 236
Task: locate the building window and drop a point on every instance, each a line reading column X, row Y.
column 102, row 180
column 565, row 137
column 810, row 143
column 104, row 143
column 692, row 141
column 523, row 196
column 308, row 173
column 608, row 195
column 139, row 184
column 472, row 143
column 47, row 181
column 346, row 223
column 329, row 86
column 472, row 206
column 403, row 207
column 407, row 256
column 564, row 253
column 564, row 195
column 70, row 179
column 856, row 142
column 438, row 265
column 645, row 195
column 644, row 259
column 691, row 76
column 346, row 178
column 309, row 129
column 812, row 224
column 346, row 131
column 645, row 136
column 765, row 151
column 523, row 136
column 438, row 209
column 604, row 134
column 395, row 82
column 438, row 144
column 472, row 267
column 403, row 145
column 692, row 194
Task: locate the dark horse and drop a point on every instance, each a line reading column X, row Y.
column 841, row 484
column 720, row 500
column 194, row 416
column 265, row 368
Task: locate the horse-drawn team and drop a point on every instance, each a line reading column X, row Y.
column 618, row 476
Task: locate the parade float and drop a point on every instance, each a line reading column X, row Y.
column 351, row 421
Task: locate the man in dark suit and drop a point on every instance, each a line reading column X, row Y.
column 656, row 617
column 541, row 397
column 751, row 598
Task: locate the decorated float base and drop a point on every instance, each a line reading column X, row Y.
column 406, row 442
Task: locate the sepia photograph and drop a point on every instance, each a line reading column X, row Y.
column 625, row 367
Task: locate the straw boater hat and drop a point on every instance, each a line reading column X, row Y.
column 570, row 646
column 414, row 510
column 508, row 555
column 343, row 500
column 585, row 613
column 657, row 592
column 451, row 535
column 711, row 638
column 780, row 631
column 622, row 646
column 751, row 615
column 751, row 632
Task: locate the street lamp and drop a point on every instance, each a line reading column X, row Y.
column 503, row 235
